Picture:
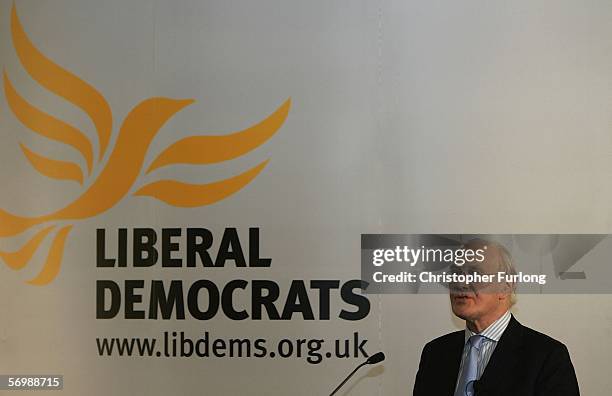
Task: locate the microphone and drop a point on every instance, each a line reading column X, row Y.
column 376, row 358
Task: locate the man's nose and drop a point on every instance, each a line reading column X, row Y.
column 459, row 287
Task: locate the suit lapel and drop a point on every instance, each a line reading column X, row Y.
column 504, row 357
column 450, row 369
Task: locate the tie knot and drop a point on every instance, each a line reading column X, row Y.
column 476, row 340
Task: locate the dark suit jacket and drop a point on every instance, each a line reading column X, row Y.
column 524, row 363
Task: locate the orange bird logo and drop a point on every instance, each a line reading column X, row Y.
column 124, row 164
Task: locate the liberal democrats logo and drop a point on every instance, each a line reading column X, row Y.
column 121, row 170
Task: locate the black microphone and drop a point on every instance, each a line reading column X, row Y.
column 376, row 358
column 479, row 387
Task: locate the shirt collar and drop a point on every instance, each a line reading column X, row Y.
column 494, row 331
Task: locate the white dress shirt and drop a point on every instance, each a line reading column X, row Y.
column 491, row 335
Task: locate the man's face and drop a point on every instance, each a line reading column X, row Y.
column 474, row 301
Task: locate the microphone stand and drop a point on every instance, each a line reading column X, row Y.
column 348, row 378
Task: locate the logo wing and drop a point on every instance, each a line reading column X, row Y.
column 68, row 86
column 210, row 149
column 79, row 93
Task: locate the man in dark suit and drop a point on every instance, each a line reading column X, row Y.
column 495, row 355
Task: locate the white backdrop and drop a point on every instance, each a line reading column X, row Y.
column 407, row 117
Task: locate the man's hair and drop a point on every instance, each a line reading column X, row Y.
column 506, row 263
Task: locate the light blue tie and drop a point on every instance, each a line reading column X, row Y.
column 465, row 385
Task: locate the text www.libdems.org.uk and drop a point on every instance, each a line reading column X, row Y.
column 177, row 344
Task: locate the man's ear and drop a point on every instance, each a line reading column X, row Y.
column 505, row 293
